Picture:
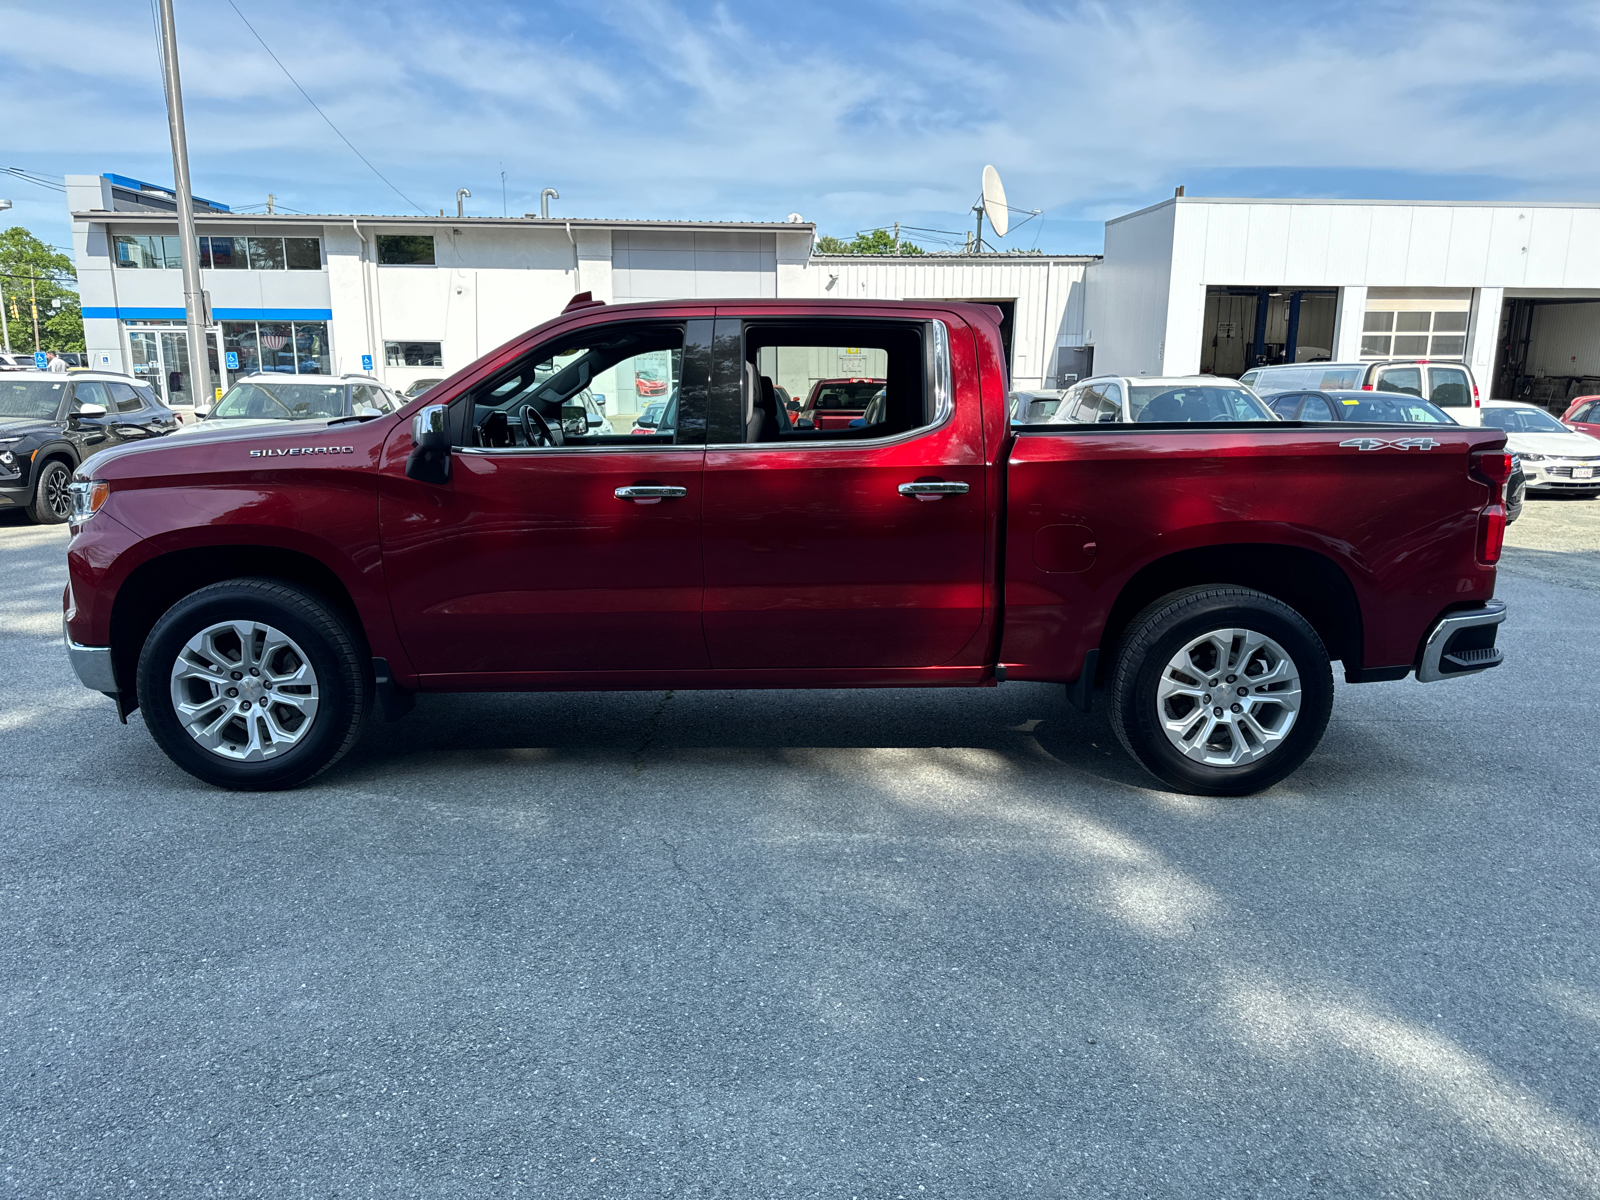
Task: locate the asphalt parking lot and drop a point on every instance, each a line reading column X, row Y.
column 879, row 944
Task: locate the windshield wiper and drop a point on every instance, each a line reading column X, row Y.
column 355, row 417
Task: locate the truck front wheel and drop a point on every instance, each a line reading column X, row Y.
column 1220, row 691
column 253, row 684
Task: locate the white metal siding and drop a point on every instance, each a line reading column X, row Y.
column 651, row 264
column 1049, row 295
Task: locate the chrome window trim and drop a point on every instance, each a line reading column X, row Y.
column 532, row 450
column 940, row 387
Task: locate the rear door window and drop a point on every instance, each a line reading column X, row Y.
column 1448, row 387
column 858, row 380
column 1406, row 380
column 127, row 400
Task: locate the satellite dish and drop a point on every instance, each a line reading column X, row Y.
column 994, row 202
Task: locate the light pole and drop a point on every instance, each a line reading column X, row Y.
column 5, row 329
column 194, row 302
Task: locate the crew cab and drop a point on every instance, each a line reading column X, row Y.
column 257, row 594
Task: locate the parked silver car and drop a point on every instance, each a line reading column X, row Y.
column 1106, row 399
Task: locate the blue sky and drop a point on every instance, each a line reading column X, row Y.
column 854, row 115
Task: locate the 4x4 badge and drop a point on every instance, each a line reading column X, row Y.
column 1397, row 444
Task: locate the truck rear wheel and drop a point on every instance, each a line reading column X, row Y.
column 253, row 684
column 1220, row 691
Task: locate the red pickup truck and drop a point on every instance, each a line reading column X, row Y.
column 257, row 593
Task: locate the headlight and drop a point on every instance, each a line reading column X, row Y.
column 1533, row 458
column 87, row 497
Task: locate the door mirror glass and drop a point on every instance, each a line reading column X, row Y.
column 574, row 420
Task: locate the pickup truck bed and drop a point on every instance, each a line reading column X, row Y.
column 480, row 541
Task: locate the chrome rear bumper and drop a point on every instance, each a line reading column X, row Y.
column 1462, row 643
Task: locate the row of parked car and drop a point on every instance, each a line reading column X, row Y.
column 1550, row 455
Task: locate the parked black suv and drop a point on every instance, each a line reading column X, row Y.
column 50, row 422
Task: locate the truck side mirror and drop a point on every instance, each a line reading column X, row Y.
column 429, row 460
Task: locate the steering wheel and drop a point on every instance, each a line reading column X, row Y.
column 537, row 430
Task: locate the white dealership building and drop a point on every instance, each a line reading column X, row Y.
column 1190, row 284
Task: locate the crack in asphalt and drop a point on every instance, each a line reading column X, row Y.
column 699, row 889
column 650, row 727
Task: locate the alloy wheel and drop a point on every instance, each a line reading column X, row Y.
column 1228, row 697
column 244, row 690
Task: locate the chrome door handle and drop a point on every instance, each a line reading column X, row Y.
column 932, row 490
column 650, row 493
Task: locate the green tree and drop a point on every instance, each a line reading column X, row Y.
column 879, row 241
column 32, row 273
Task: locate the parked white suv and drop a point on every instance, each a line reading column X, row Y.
column 1107, row 399
column 1446, row 385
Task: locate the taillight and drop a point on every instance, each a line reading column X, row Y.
column 1476, row 403
column 1491, row 534
column 1366, row 387
column 1493, row 465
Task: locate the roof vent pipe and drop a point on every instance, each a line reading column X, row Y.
column 462, row 196
column 545, row 197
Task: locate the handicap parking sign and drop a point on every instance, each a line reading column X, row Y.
column 233, row 360
column 366, row 362
column 40, row 362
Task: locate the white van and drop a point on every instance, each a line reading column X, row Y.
column 1449, row 385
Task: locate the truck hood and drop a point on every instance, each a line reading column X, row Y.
column 169, row 455
column 231, row 424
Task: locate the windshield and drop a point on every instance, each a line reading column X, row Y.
column 1165, row 404
column 30, row 398
column 843, row 394
column 281, row 402
column 1311, row 377
column 1522, row 420
column 1369, row 406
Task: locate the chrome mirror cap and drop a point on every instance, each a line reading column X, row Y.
column 431, row 419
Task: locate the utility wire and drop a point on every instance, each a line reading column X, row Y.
column 322, row 114
column 38, row 180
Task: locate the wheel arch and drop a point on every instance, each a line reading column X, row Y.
column 1311, row 583
column 155, row 585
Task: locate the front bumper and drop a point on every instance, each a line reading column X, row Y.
column 1462, row 643
column 92, row 664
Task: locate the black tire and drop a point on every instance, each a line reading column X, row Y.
column 329, row 643
column 1164, row 629
column 52, row 504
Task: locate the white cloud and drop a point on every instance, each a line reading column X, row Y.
column 652, row 109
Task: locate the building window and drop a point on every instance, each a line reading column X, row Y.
column 413, row 354
column 149, row 252
column 278, row 347
column 405, row 249
column 303, row 254
column 1412, row 334
column 163, row 252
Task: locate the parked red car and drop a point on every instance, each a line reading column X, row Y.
column 648, row 382
column 1583, row 414
column 834, row 403
column 255, row 593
